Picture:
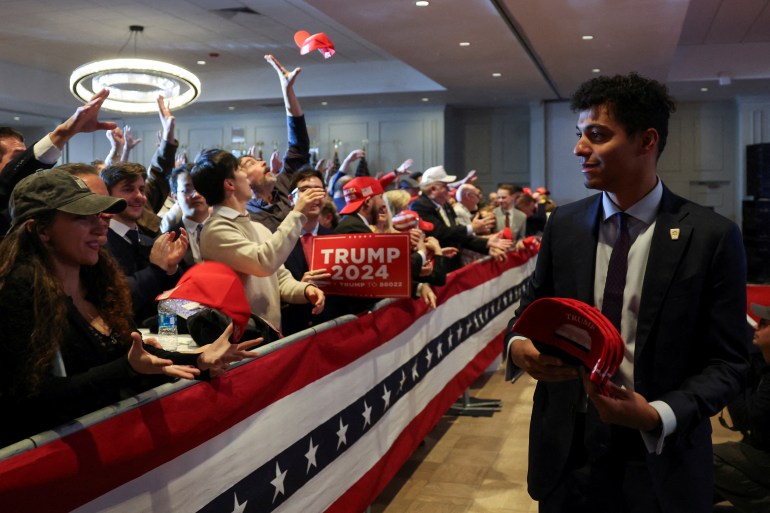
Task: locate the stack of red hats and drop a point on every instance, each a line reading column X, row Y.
column 575, row 332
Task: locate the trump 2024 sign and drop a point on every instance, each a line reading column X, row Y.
column 365, row 264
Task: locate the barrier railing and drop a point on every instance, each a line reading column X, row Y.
column 321, row 425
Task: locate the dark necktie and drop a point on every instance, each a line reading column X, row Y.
column 133, row 236
column 507, row 219
column 612, row 306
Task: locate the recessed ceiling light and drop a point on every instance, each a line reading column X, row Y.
column 497, row 74
column 202, row 63
column 704, row 89
column 465, row 43
column 324, row 103
column 587, row 38
column 422, row 3
column 425, row 99
column 596, row 70
column 16, row 118
column 230, row 108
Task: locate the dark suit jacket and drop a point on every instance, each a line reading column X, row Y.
column 13, row 172
column 146, row 280
column 455, row 235
column 296, row 318
column 691, row 350
column 188, row 260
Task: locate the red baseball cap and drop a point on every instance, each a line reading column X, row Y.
column 217, row 286
column 359, row 190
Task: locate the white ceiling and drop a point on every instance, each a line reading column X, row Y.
column 389, row 52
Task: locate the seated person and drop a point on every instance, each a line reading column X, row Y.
column 247, row 247
column 741, row 469
column 151, row 265
column 65, row 311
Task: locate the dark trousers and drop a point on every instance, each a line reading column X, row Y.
column 616, row 482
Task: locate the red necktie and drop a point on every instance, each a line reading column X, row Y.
column 307, row 247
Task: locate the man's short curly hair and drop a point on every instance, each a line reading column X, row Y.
column 636, row 102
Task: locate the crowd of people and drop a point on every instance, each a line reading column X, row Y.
column 88, row 248
column 97, row 242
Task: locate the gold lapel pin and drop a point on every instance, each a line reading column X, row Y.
column 674, row 233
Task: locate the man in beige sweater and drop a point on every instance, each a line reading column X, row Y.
column 230, row 237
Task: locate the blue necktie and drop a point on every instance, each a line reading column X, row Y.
column 612, row 306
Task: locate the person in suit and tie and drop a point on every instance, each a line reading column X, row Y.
column 151, row 264
column 670, row 275
column 432, row 206
column 194, row 210
column 506, row 213
column 297, row 317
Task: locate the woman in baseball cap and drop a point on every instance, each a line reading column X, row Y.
column 65, row 312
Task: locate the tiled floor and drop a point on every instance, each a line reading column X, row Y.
column 475, row 464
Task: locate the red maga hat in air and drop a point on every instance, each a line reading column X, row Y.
column 308, row 43
column 215, row 285
column 576, row 332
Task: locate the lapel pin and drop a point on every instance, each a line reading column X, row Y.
column 674, row 233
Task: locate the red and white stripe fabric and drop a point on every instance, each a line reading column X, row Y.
column 320, row 425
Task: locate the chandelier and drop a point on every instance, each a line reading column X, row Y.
column 135, row 84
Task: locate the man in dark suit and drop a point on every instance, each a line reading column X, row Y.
column 432, row 206
column 294, row 317
column 194, row 210
column 680, row 308
column 151, row 265
column 17, row 161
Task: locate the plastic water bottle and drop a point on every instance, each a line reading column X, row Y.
column 167, row 330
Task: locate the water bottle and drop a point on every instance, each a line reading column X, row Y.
column 167, row 331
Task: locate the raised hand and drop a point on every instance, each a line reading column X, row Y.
column 287, row 79
column 275, row 163
column 482, row 225
column 166, row 119
column 308, row 199
column 404, row 167
column 84, row 120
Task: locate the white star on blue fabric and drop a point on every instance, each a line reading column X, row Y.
column 415, row 375
column 440, row 350
column 367, row 414
column 386, row 397
column 402, row 382
column 239, row 508
column 342, row 434
column 429, row 357
column 278, row 481
column 310, row 455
